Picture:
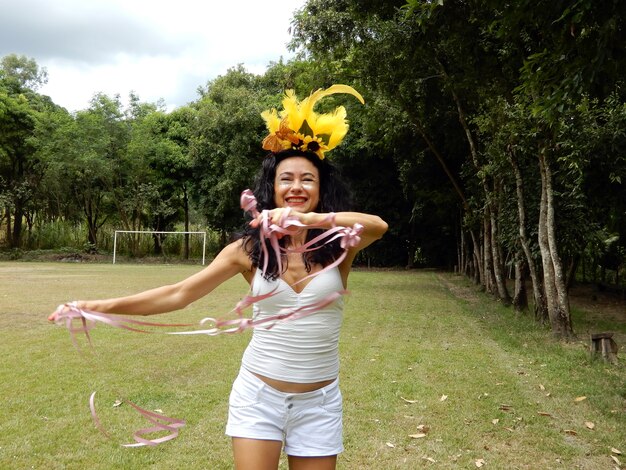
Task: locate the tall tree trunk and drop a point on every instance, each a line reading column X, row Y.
column 18, row 217
column 477, row 252
column 571, row 271
column 554, row 280
column 460, row 252
column 498, row 263
column 540, row 307
column 489, row 274
column 9, row 229
column 477, row 260
column 490, row 283
column 520, row 297
column 186, row 211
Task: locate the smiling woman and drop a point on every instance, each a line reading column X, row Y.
column 297, row 184
column 287, row 392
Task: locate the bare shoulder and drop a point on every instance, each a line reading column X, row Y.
column 235, row 254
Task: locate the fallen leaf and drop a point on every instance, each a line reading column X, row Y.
column 117, row 403
column 590, row 425
column 616, row 460
column 504, row 407
column 389, row 444
column 480, row 462
column 158, row 410
column 579, row 399
column 417, row 436
column 510, row 429
column 615, row 451
column 443, row 398
column 571, row 432
column 430, row 459
column 409, row 401
column 495, row 421
column 541, row 387
column 544, row 413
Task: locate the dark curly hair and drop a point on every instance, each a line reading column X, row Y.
column 334, row 197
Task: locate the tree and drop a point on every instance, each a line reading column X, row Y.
column 160, row 146
column 20, row 170
column 225, row 146
column 447, row 61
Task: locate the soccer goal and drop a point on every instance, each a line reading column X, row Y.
column 158, row 232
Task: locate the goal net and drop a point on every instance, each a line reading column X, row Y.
column 131, row 241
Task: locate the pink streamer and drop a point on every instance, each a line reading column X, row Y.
column 269, row 232
column 174, row 424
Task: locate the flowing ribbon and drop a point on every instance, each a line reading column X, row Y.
column 67, row 314
column 270, row 233
column 174, row 424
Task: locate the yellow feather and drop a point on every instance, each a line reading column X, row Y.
column 333, row 126
column 291, row 110
column 272, row 121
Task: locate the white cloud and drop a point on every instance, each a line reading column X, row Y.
column 156, row 48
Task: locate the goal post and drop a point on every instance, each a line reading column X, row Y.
column 153, row 232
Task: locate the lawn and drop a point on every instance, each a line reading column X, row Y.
column 434, row 375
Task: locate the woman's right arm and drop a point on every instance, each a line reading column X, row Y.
column 229, row 262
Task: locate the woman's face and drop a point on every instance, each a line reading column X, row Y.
column 297, row 184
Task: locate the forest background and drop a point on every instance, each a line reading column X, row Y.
column 493, row 141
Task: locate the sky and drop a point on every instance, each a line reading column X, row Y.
column 158, row 49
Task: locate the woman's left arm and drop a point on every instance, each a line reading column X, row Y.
column 373, row 226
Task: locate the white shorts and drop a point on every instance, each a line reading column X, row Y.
column 309, row 424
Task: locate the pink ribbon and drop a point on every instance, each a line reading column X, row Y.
column 270, row 233
column 174, row 424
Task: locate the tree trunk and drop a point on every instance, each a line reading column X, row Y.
column 489, row 241
column 571, row 271
column 18, row 216
column 554, row 280
column 498, row 264
column 460, row 252
column 186, row 210
column 488, row 254
column 540, row 308
column 520, row 298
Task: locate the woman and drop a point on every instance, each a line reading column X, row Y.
column 287, row 390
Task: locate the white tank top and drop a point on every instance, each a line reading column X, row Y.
column 304, row 350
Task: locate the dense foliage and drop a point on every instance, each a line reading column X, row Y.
column 493, row 140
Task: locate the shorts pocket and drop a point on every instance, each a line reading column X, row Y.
column 333, row 402
column 243, row 395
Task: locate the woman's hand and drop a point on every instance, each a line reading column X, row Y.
column 63, row 308
column 284, row 217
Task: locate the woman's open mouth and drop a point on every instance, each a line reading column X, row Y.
column 295, row 201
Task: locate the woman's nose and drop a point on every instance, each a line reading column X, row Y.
column 297, row 185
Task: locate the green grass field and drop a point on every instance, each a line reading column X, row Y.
column 423, row 355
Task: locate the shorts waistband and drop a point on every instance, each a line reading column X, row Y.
column 267, row 393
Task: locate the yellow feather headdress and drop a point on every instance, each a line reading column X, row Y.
column 297, row 126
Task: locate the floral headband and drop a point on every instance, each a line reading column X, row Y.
column 297, row 126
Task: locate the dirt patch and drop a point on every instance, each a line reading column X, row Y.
column 596, row 303
column 608, row 305
column 459, row 291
